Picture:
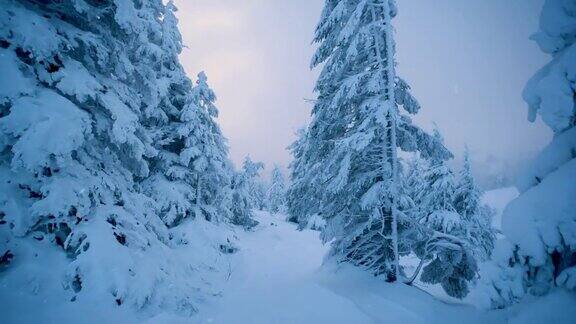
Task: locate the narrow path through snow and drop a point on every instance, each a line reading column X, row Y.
column 273, row 281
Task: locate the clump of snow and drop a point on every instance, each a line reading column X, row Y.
column 550, row 92
column 537, row 228
column 560, row 151
column 316, row 222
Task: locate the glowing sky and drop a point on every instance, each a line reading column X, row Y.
column 467, row 62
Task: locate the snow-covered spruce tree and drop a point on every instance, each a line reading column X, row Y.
column 478, row 216
column 207, row 154
column 81, row 87
column 241, row 200
column 276, row 196
column 302, row 199
column 442, row 237
column 414, row 179
column 444, row 242
column 194, row 169
column 169, row 181
column 356, row 129
column 255, row 187
column 539, row 253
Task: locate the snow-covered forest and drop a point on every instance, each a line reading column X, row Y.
column 120, row 201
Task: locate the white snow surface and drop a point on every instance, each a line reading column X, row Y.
column 498, row 199
column 277, row 276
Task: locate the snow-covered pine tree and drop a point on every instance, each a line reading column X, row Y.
column 207, row 154
column 169, row 183
column 476, row 215
column 539, row 253
column 79, row 120
column 255, row 187
column 442, row 240
column 192, row 170
column 193, row 167
column 414, row 182
column 276, row 196
column 303, row 196
column 356, row 128
column 240, row 201
column 446, row 243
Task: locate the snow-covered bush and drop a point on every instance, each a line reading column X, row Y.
column 540, row 225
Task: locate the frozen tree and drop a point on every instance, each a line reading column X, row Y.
column 194, row 165
column 240, row 202
column 539, row 252
column 414, row 179
column 256, row 189
column 441, row 235
column 478, row 216
column 90, row 95
column 302, row 196
column 349, row 158
column 467, row 195
column 192, row 168
column 276, row 197
column 206, row 153
column 445, row 243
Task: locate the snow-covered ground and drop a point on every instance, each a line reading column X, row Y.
column 499, row 199
column 276, row 278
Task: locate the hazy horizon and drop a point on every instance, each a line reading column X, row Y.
column 467, row 63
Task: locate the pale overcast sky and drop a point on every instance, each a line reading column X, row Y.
column 467, row 62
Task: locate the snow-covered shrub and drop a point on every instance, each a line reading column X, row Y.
column 540, row 225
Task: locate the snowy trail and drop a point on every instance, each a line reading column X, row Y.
column 273, row 281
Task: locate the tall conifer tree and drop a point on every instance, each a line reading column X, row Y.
column 358, row 123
